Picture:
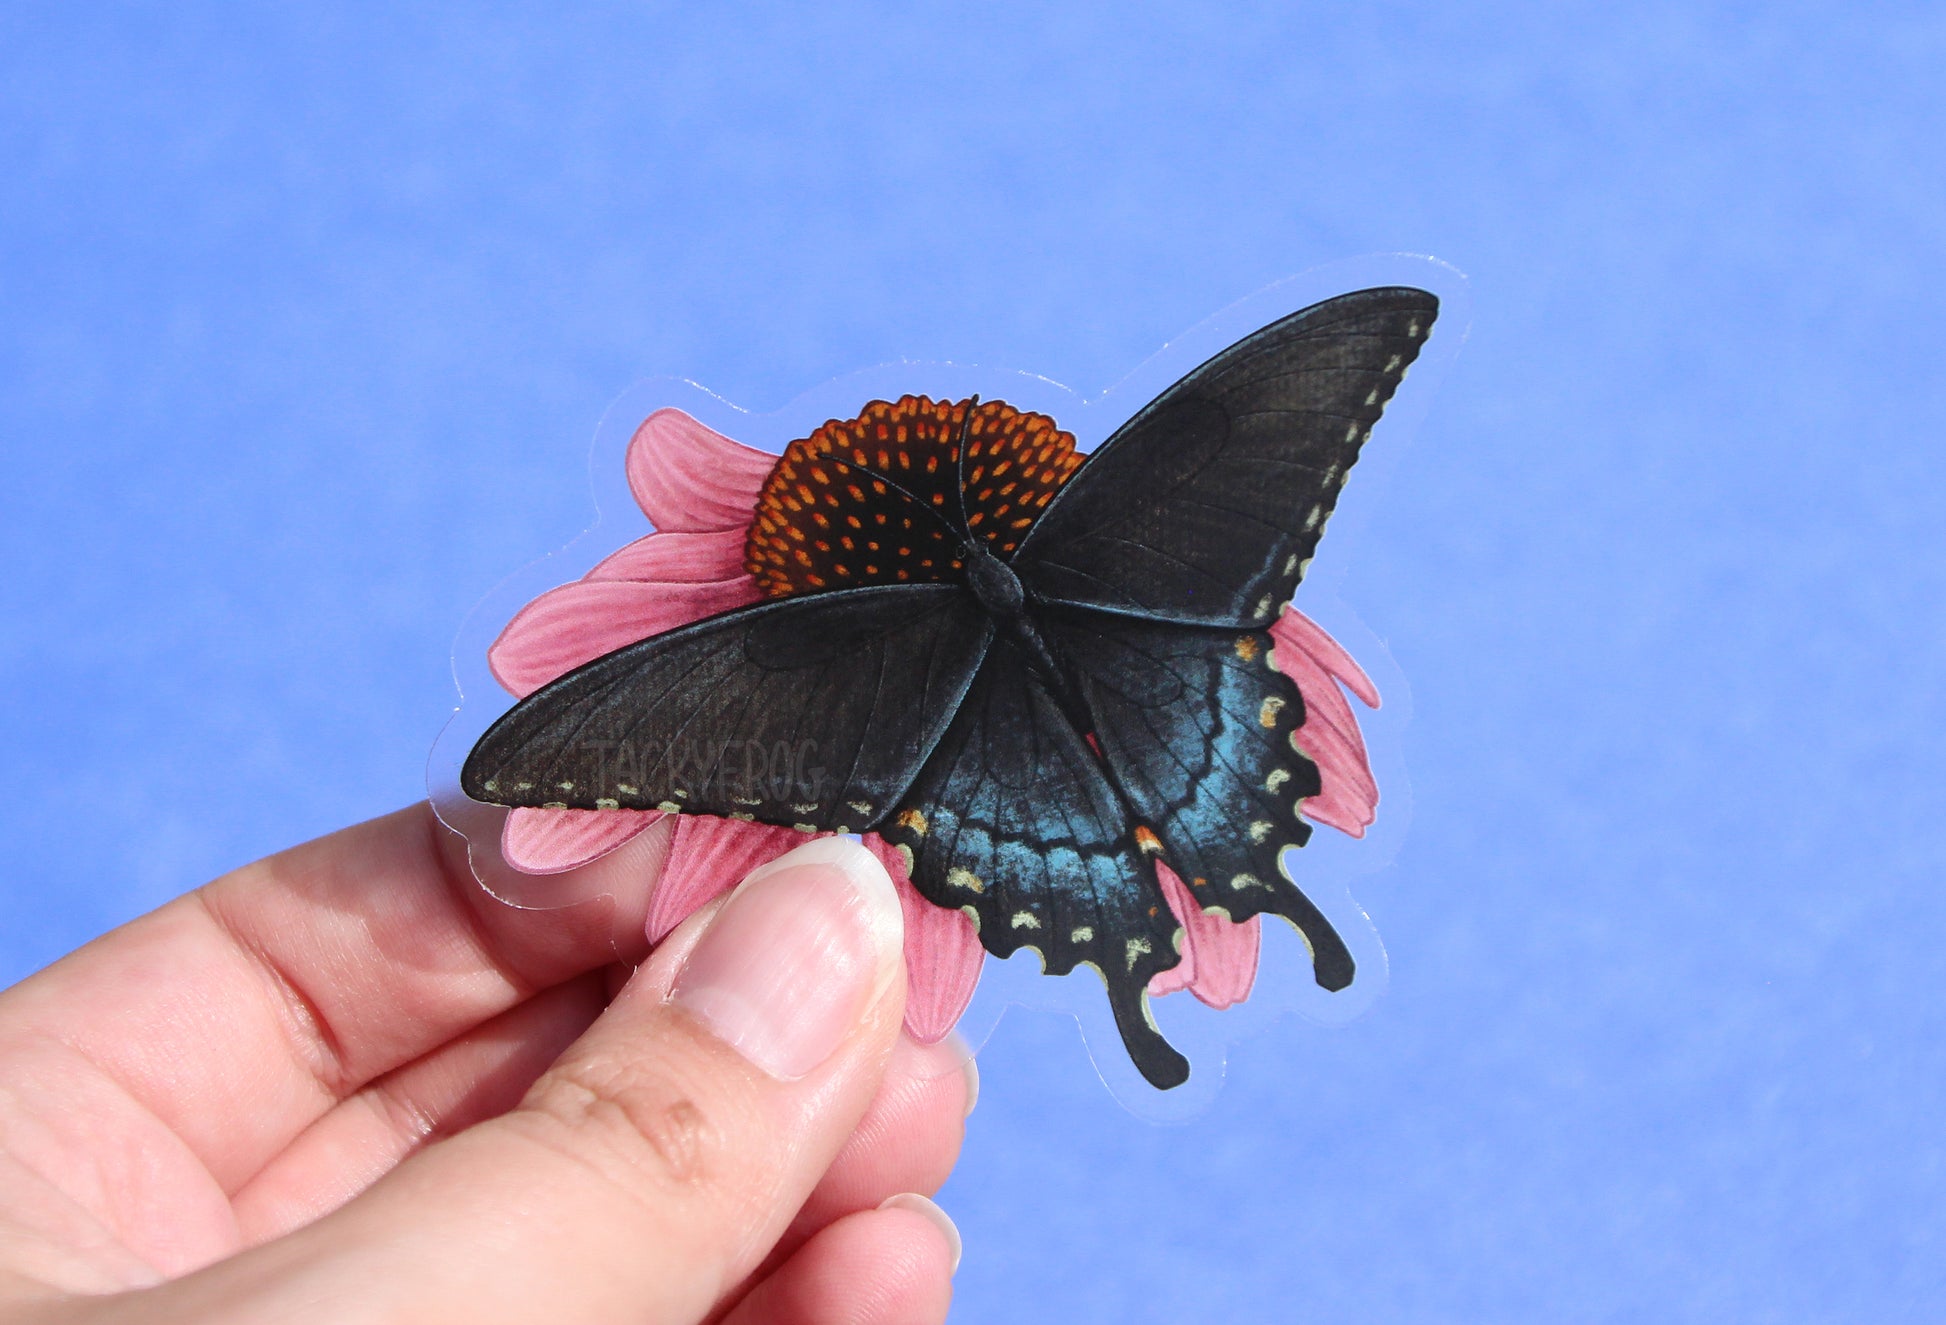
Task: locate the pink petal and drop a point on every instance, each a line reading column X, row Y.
column 1325, row 704
column 1295, row 630
column 677, row 558
column 943, row 956
column 1221, row 958
column 1338, row 760
column 1345, row 811
column 1317, row 664
column 709, row 857
column 1341, row 811
column 694, row 479
column 580, row 622
column 549, row 841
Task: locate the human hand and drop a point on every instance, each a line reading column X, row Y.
column 346, row 1084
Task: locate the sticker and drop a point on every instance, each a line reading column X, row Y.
column 1039, row 654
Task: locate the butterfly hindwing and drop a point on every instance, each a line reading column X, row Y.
column 1207, row 505
column 1013, row 820
column 1195, row 725
column 813, row 711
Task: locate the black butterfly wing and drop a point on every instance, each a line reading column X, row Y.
column 1195, row 726
column 1206, row 506
column 1013, row 820
column 815, row 711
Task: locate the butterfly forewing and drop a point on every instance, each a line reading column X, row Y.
column 1195, row 726
column 1013, row 819
column 1207, row 505
column 815, row 711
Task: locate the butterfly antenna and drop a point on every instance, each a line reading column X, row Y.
column 965, row 530
column 867, row 472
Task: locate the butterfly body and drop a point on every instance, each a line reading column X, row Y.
column 1035, row 674
column 993, row 584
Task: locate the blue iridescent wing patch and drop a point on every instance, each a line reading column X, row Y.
column 1195, row 727
column 1014, row 820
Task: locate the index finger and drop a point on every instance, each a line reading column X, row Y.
column 240, row 1013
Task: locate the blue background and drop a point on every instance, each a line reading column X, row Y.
column 309, row 313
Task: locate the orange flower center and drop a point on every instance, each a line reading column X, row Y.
column 878, row 499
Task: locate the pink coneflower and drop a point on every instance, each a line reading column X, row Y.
column 700, row 491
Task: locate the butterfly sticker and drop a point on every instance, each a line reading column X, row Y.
column 1037, row 674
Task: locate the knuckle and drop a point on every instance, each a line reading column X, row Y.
column 632, row 1129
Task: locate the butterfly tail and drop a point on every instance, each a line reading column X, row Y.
column 1331, row 961
column 1154, row 1057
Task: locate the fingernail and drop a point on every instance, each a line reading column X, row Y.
column 970, row 1068
column 796, row 955
column 941, row 1220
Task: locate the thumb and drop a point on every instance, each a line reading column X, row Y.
column 648, row 1172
